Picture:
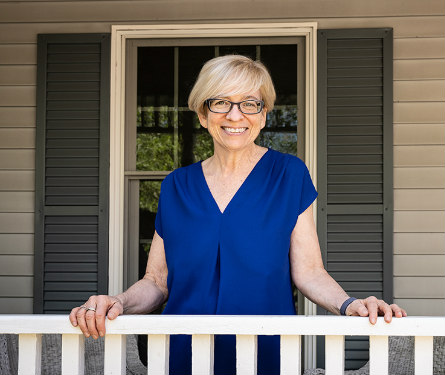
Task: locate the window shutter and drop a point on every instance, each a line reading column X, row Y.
column 72, row 161
column 355, row 204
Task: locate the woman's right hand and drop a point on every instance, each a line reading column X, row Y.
column 90, row 317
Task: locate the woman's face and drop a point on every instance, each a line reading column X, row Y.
column 234, row 130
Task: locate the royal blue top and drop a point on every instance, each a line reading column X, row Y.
column 235, row 262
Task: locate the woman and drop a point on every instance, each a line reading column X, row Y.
column 233, row 231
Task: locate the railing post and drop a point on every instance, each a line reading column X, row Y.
column 246, row 354
column 335, row 355
column 158, row 351
column 73, row 354
column 115, row 354
column 423, row 355
column 202, row 354
column 30, row 354
column 378, row 355
column 290, row 361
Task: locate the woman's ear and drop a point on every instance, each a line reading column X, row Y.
column 264, row 118
column 203, row 120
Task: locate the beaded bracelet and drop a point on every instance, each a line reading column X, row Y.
column 345, row 305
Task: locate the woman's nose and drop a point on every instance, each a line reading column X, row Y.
column 234, row 114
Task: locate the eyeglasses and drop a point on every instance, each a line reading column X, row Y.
column 248, row 107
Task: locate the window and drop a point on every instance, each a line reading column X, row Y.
column 162, row 134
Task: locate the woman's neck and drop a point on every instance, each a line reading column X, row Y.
column 227, row 162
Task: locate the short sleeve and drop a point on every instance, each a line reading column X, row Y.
column 308, row 192
column 158, row 220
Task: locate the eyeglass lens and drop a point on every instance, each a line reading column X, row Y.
column 224, row 106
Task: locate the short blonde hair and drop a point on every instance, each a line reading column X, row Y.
column 231, row 75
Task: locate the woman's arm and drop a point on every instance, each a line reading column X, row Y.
column 141, row 298
column 311, row 278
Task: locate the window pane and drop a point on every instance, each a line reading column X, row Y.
column 155, row 152
column 148, row 206
column 155, row 76
column 249, row 51
column 284, row 142
column 191, row 60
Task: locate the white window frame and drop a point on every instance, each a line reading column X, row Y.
column 119, row 36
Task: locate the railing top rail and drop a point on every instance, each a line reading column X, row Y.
column 227, row 324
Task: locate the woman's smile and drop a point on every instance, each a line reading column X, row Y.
column 233, row 130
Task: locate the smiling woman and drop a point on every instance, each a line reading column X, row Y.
column 233, row 231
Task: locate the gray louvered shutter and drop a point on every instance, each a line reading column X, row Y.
column 72, row 162
column 355, row 204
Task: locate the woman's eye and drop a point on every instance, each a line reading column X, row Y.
column 220, row 102
column 249, row 104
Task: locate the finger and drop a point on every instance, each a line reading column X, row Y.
column 397, row 311
column 357, row 308
column 72, row 316
column 115, row 310
column 372, row 306
column 103, row 303
column 404, row 313
column 90, row 317
column 80, row 316
column 385, row 310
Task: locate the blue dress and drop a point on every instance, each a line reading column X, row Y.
column 235, row 262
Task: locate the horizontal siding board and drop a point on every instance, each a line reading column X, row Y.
column 419, row 155
column 17, row 201
column 16, row 244
column 18, row 116
column 419, row 221
column 419, row 243
column 409, row 26
column 423, row 306
column 419, row 177
column 419, row 134
column 16, row 265
column 419, row 69
column 17, row 96
column 11, row 138
column 18, row 75
column 17, row 181
column 16, row 286
column 15, row 223
column 418, row 113
column 419, row 287
column 20, row 54
column 17, row 159
column 16, row 305
column 419, row 91
column 419, row 199
column 412, row 48
column 176, row 10
column 420, row 265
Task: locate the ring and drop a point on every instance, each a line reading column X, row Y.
column 88, row 308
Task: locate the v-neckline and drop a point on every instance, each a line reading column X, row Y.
column 212, row 198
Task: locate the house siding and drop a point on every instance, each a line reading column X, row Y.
column 419, row 115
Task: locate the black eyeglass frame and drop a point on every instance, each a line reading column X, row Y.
column 207, row 102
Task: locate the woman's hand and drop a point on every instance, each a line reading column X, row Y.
column 90, row 317
column 374, row 307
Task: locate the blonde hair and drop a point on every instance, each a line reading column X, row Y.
column 231, row 75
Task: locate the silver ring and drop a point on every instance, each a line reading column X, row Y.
column 91, row 309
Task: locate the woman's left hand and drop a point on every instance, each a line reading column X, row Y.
column 374, row 307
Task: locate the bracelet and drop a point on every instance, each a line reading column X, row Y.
column 346, row 304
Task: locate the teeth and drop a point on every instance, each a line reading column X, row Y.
column 235, row 130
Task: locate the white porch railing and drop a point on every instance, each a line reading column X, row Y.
column 202, row 328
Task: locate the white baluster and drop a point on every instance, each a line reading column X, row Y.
column 246, row 354
column 290, row 362
column 335, row 355
column 158, row 354
column 30, row 354
column 423, row 355
column 378, row 355
column 115, row 355
column 202, row 354
column 73, row 354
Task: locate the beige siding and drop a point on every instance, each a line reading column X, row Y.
column 419, row 115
